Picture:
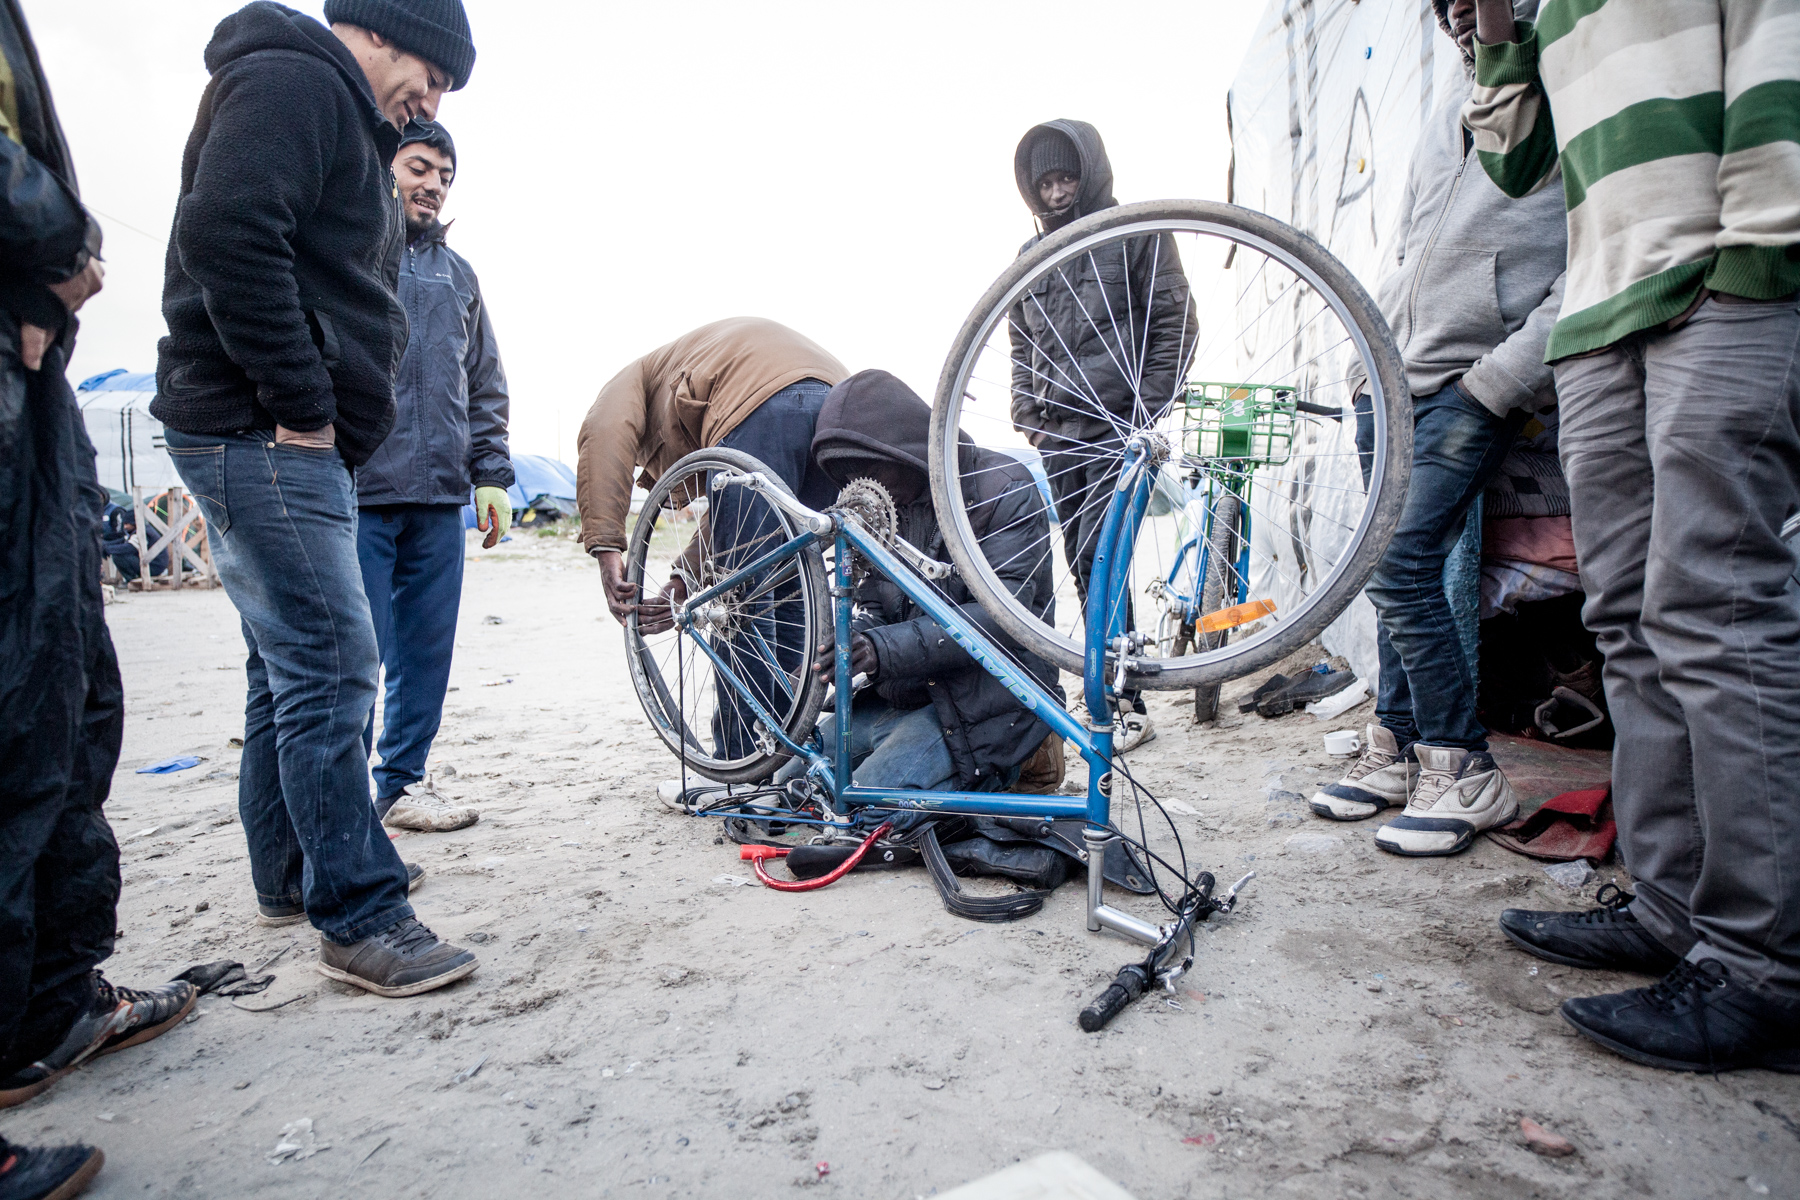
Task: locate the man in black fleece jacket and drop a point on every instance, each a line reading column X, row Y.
column 275, row 382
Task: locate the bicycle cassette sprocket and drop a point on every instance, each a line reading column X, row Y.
column 873, row 506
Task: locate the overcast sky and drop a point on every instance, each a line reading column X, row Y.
column 628, row 172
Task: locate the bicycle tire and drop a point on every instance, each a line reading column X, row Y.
column 664, row 708
column 1366, row 329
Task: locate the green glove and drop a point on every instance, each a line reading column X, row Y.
column 493, row 513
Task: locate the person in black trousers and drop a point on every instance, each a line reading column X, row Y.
column 59, row 679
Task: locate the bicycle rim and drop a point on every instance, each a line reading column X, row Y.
column 1236, row 345
column 766, row 630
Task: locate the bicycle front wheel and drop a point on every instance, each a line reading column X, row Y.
column 700, row 528
column 1233, row 346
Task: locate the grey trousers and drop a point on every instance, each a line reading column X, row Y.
column 1682, row 451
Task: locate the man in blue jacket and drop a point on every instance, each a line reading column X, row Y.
column 449, row 432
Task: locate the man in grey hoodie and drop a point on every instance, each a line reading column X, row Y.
column 1476, row 287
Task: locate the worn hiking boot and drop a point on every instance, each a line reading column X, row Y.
column 47, row 1172
column 119, row 1017
column 1607, row 938
column 1698, row 1017
column 419, row 806
column 289, row 914
column 1379, row 778
column 404, row 959
column 1458, row 794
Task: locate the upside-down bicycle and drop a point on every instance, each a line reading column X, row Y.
column 726, row 676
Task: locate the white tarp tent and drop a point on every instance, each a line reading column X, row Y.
column 128, row 441
column 1324, row 112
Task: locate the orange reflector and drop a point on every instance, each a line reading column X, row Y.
column 1237, row 614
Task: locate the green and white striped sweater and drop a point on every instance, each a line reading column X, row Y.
column 1677, row 123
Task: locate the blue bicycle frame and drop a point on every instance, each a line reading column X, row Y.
column 1105, row 629
column 1199, row 544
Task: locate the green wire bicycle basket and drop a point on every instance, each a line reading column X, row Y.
column 1251, row 423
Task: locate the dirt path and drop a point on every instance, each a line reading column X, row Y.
column 644, row 1025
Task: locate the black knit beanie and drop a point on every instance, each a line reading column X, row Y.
column 1053, row 151
column 435, row 30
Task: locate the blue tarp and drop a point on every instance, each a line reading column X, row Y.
column 534, row 475
column 120, row 380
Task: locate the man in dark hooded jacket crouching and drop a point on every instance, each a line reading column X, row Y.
column 932, row 717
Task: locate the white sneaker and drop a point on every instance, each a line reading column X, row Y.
column 420, row 807
column 1459, row 793
column 1134, row 730
column 1378, row 779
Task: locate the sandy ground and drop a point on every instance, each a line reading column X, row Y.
column 644, row 1025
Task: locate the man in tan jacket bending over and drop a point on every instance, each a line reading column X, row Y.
column 745, row 383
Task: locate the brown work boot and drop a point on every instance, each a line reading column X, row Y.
column 404, row 959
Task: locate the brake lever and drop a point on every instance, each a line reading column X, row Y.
column 1231, row 893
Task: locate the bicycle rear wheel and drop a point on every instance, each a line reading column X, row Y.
column 699, row 527
column 1236, row 345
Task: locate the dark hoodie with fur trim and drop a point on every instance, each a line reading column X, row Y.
column 279, row 286
column 1138, row 283
column 872, row 415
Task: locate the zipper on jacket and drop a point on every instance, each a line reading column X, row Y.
column 1412, row 296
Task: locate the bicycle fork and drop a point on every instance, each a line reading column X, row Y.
column 1105, row 620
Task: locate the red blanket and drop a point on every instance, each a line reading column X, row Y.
column 1570, row 826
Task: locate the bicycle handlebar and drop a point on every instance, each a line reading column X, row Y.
column 1134, row 979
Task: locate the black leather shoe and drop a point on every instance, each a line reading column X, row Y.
column 1697, row 1018
column 402, row 960
column 119, row 1017
column 1608, row 938
column 48, row 1172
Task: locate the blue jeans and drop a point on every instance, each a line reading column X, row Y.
column 281, row 522
column 412, row 569
column 778, row 433
column 1427, row 690
column 889, row 747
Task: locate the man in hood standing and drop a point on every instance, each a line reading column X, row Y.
column 1072, row 382
column 276, row 381
column 450, row 435
column 59, row 679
